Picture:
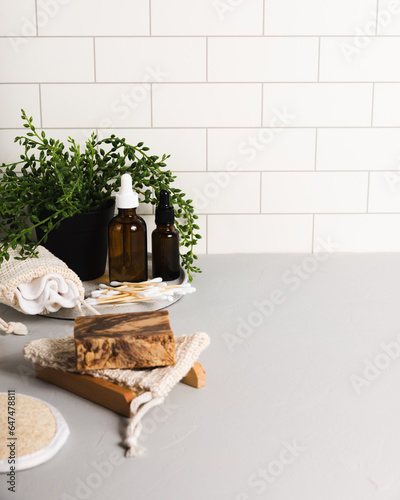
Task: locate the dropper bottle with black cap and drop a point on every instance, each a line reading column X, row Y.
column 165, row 241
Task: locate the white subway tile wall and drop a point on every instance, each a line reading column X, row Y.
column 207, row 105
column 359, row 233
column 96, row 105
column 93, row 18
column 223, row 192
column 280, row 116
column 383, row 194
column 358, row 149
column 206, row 17
column 317, row 104
column 155, row 59
column 13, row 97
column 388, row 20
column 387, row 105
column 68, row 60
column 317, row 17
column 259, row 233
column 17, row 18
column 314, row 192
column 339, row 63
column 263, row 59
column 259, row 149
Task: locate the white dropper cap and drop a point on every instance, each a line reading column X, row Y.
column 126, row 197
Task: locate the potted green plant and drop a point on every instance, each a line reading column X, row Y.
column 53, row 186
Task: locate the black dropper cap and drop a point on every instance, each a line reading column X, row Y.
column 164, row 211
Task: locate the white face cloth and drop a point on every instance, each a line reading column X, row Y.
column 38, row 286
column 50, row 292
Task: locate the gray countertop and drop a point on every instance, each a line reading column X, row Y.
column 302, row 399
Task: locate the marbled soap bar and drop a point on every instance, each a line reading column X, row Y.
column 131, row 340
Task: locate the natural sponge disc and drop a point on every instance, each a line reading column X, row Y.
column 40, row 431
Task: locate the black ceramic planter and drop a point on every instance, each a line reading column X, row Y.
column 82, row 242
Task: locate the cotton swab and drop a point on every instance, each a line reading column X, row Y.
column 129, row 292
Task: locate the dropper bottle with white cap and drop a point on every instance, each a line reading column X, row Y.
column 127, row 237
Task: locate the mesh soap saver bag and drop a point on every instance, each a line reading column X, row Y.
column 38, row 286
column 152, row 386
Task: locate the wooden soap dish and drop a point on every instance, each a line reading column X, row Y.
column 106, row 393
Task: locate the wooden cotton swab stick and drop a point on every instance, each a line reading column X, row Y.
column 140, row 283
column 121, row 296
column 185, row 285
column 117, row 300
column 135, row 288
column 116, row 291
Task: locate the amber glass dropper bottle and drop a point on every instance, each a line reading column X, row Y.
column 127, row 237
column 165, row 241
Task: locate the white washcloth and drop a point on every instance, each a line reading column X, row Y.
column 38, row 286
column 50, row 292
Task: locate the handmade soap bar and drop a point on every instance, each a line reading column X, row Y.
column 131, row 340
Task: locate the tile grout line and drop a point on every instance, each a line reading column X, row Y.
column 262, row 105
column 316, row 35
column 207, row 59
column 258, row 171
column 206, row 150
column 40, row 106
column 373, row 103
column 246, row 171
column 297, row 214
column 36, row 18
column 252, row 83
column 151, row 105
column 94, row 59
column 312, row 233
column 316, row 149
column 263, row 18
column 310, row 171
column 377, row 13
column 150, row 17
column 227, row 127
column 206, row 233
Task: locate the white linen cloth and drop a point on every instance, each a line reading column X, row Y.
column 50, row 292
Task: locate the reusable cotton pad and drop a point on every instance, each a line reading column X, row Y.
column 40, row 431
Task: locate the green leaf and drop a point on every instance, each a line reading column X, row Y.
column 68, row 181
